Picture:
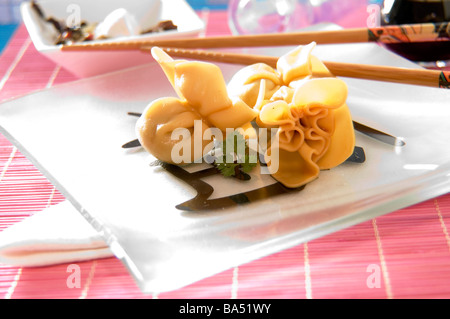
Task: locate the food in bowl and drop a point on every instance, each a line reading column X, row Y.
column 118, row 23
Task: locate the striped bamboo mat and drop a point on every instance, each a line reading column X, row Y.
column 405, row 254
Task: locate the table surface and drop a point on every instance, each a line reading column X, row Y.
column 408, row 250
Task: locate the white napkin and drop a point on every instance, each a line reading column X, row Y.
column 58, row 234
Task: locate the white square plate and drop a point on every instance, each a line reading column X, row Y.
column 84, row 64
column 74, row 132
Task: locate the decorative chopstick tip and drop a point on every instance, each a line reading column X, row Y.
column 444, row 80
column 399, row 141
column 132, row 144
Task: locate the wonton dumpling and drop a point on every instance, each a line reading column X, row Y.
column 202, row 85
column 307, row 104
column 158, row 124
column 203, row 97
column 315, row 131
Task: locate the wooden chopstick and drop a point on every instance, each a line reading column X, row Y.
column 399, row 33
column 424, row 77
column 431, row 78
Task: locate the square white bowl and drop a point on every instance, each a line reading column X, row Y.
column 85, row 64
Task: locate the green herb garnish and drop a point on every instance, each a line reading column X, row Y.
column 235, row 158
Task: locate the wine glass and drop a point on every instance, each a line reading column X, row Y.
column 268, row 16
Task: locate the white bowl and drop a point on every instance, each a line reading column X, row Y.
column 85, row 64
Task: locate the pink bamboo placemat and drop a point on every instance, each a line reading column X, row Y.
column 405, row 254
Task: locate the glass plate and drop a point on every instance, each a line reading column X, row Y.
column 74, row 132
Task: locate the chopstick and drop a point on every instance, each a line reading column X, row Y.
column 424, row 77
column 431, row 78
column 388, row 34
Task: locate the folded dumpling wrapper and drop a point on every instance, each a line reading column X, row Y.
column 247, row 81
column 308, row 106
column 202, row 95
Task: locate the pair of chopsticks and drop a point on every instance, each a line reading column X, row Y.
column 187, row 48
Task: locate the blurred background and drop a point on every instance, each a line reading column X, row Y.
column 9, row 18
column 245, row 16
column 10, row 15
column 9, row 12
